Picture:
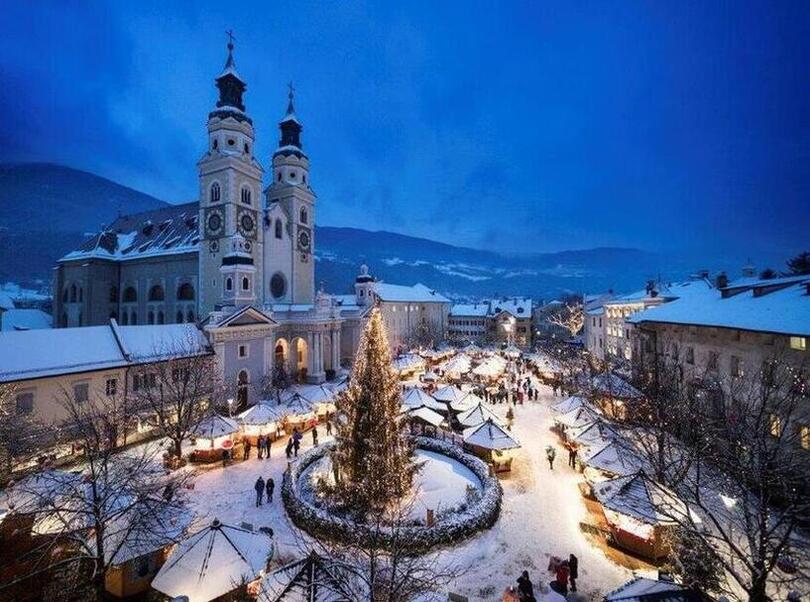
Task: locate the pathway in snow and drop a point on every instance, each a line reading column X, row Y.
column 540, row 515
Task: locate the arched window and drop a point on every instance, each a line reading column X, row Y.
column 150, row 317
column 81, row 294
column 156, row 293
column 179, row 317
column 190, row 316
column 304, row 215
column 113, row 294
column 185, row 292
column 130, row 295
column 73, row 293
column 278, row 285
column 160, row 318
column 228, row 284
column 215, row 144
column 279, row 227
column 246, row 195
column 245, row 283
column 215, row 193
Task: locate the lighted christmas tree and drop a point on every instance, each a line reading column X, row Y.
column 373, row 455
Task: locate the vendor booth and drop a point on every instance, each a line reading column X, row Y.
column 610, row 461
column 215, row 437
column 299, row 412
column 477, row 414
column 415, row 397
column 490, row 442
column 265, row 418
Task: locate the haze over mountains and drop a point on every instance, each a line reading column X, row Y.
column 46, row 210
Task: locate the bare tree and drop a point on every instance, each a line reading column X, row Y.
column 20, row 434
column 116, row 500
column 570, row 317
column 742, row 468
column 381, row 566
column 179, row 390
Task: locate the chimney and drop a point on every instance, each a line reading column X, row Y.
column 721, row 280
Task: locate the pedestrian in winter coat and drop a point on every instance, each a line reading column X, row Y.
column 289, row 449
column 572, row 457
column 525, row 587
column 314, row 436
column 573, row 571
column 247, row 449
column 296, row 439
column 328, row 427
column 562, row 577
column 550, row 453
column 259, row 446
column 267, row 444
column 259, row 487
column 271, row 485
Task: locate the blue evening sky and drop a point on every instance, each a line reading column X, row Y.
column 506, row 125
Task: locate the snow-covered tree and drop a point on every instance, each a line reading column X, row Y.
column 373, row 456
column 20, row 435
column 570, row 317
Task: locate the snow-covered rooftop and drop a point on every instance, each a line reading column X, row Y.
column 214, row 561
column 641, row 589
column 783, row 311
column 490, row 435
column 520, row 307
column 28, row 354
column 418, row 293
column 311, row 579
column 25, row 319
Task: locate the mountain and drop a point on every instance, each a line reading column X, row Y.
column 46, row 210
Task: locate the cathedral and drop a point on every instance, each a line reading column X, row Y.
column 239, row 261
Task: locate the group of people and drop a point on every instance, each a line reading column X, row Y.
column 263, row 443
column 261, row 486
column 566, row 573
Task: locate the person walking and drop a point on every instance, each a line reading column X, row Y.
column 573, row 571
column 525, row 588
column 562, row 577
column 314, row 436
column 572, row 456
column 296, row 439
column 550, row 454
column 247, row 450
column 271, row 485
column 289, row 449
column 328, row 427
column 260, row 447
column 259, row 487
column 267, row 444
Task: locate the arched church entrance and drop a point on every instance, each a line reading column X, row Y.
column 299, row 358
column 281, row 354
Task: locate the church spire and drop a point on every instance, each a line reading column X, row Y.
column 290, row 143
column 231, row 86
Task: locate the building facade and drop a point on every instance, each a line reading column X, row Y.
column 504, row 321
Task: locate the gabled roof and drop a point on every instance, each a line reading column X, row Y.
column 415, row 397
column 425, row 414
column 418, row 293
column 638, row 496
column 166, row 231
column 477, row 414
column 641, row 589
column 490, row 435
column 311, row 579
column 215, row 425
column 244, row 316
column 213, row 561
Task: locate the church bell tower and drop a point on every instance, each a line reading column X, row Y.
column 230, row 188
column 290, row 188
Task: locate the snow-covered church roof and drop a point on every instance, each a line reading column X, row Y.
column 418, row 293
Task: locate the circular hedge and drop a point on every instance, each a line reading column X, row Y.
column 448, row 529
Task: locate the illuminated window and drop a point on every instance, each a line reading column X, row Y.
column 774, row 425
column 798, row 343
column 804, row 436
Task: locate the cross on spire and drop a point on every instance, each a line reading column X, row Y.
column 291, row 89
column 231, row 39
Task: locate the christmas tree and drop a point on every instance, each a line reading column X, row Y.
column 373, row 456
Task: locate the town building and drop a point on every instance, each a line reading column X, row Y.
column 503, row 321
column 722, row 334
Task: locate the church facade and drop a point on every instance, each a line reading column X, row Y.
column 239, row 261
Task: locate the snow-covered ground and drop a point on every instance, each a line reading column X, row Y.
column 540, row 516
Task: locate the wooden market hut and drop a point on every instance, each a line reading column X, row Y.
column 265, row 418
column 321, row 398
column 639, row 513
column 449, row 394
column 643, row 589
column 610, row 461
column 568, row 404
column 213, row 562
column 310, row 579
column 490, row 442
column 423, row 420
column 300, row 412
column 477, row 414
column 615, row 396
column 456, row 367
column 214, row 435
column 414, row 397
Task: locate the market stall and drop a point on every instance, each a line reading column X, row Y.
column 490, row 442
column 300, row 412
column 415, row 397
column 214, row 437
column 477, row 414
column 449, row 394
column 265, row 418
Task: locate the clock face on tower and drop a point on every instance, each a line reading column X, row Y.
column 246, row 223
column 304, row 239
column 214, row 223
